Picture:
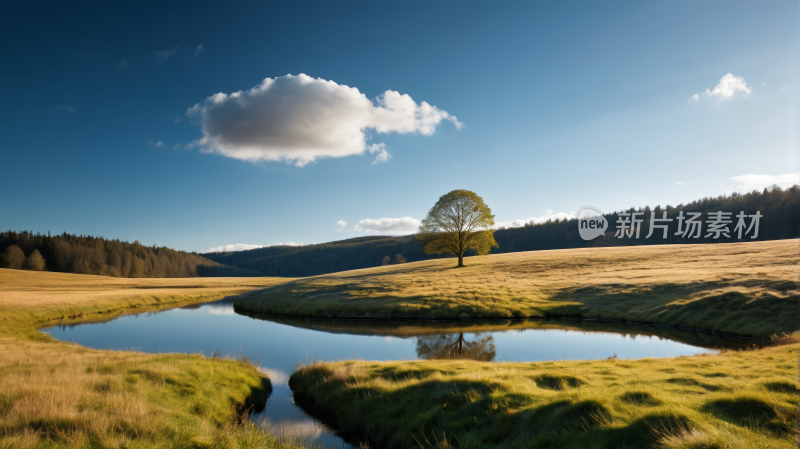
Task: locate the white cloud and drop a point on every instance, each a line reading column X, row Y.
column 341, row 223
column 549, row 216
column 289, row 243
column 383, row 155
column 396, row 226
column 727, row 87
column 760, row 182
column 299, row 119
column 163, row 55
column 199, row 49
column 217, row 310
column 158, row 144
column 69, row 109
column 275, row 376
column 678, row 182
column 232, row 248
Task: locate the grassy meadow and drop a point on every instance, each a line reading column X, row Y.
column 736, row 399
column 57, row 394
column 748, row 289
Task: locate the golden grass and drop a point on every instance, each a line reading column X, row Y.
column 748, row 289
column 735, row 399
column 56, row 394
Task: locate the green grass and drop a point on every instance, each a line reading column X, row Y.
column 747, row 289
column 735, row 399
column 55, row 394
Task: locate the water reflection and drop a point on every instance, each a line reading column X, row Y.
column 280, row 343
column 452, row 346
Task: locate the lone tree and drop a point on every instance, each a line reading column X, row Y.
column 459, row 221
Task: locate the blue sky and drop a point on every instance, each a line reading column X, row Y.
column 561, row 105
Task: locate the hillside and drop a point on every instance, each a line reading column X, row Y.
column 746, row 289
column 780, row 210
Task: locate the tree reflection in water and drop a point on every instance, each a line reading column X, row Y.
column 452, row 346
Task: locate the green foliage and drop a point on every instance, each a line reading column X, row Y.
column 35, row 261
column 68, row 253
column 13, row 257
column 459, row 221
column 137, row 268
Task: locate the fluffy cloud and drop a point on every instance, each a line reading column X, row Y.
column 163, row 55
column 232, row 248
column 158, row 144
column 299, row 119
column 549, row 216
column 341, row 223
column 727, row 87
column 396, row 226
column 289, row 243
column 760, row 182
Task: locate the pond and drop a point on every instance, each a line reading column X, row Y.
column 279, row 343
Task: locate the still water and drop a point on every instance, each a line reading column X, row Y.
column 280, row 343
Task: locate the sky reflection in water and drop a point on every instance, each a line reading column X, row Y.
column 280, row 343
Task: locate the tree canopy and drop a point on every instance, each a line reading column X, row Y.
column 459, row 221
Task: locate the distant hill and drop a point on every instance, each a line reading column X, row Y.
column 310, row 260
column 69, row 253
column 780, row 209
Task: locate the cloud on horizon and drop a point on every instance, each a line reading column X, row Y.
column 299, row 119
column 727, row 87
column 549, row 216
column 751, row 182
column 394, row 226
column 232, row 248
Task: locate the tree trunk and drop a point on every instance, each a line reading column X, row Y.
column 460, row 260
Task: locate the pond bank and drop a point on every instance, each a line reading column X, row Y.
column 732, row 399
column 59, row 393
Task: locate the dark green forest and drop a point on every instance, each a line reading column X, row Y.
column 68, row 253
column 780, row 210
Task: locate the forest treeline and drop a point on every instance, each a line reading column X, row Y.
column 69, row 253
column 779, row 210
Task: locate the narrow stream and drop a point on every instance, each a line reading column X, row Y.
column 280, row 343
